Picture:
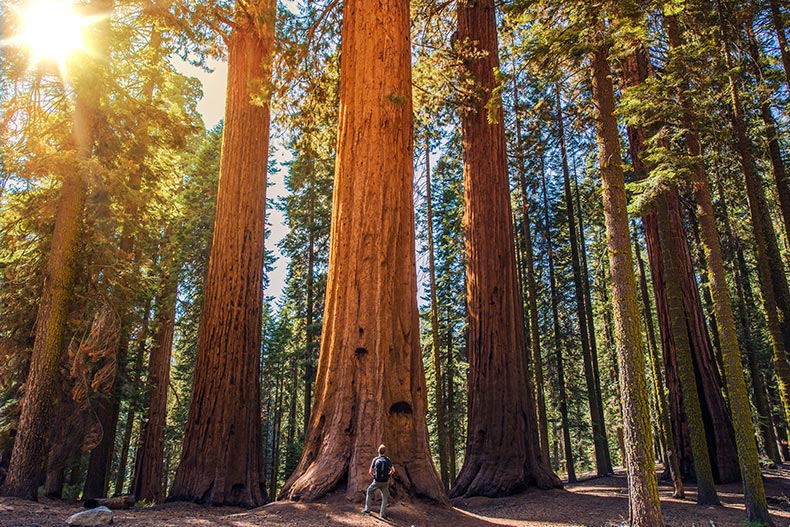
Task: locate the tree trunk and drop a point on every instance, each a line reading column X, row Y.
column 451, row 411
column 503, row 453
column 441, row 418
column 754, row 493
column 771, row 272
column 721, row 444
column 221, row 455
column 555, row 317
column 645, row 509
column 706, row 490
column 771, row 134
column 532, row 294
column 665, row 424
column 148, row 466
column 603, row 462
column 370, row 387
column 744, row 306
column 43, row 378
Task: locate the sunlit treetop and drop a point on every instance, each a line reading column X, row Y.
column 49, row 32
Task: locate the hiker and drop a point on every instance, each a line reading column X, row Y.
column 381, row 468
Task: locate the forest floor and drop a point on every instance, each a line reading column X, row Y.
column 593, row 502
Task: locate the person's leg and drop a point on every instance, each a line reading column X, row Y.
column 370, row 492
column 385, row 494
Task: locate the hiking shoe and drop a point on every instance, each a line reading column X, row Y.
column 365, row 511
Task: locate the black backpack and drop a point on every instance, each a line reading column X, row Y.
column 381, row 469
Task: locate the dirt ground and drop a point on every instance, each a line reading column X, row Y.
column 594, row 502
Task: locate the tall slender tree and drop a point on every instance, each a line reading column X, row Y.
column 439, row 408
column 645, row 509
column 603, row 462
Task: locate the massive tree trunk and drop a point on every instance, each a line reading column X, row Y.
column 149, row 459
column 503, row 453
column 221, row 455
column 43, row 378
column 645, row 509
column 603, row 462
column 370, row 387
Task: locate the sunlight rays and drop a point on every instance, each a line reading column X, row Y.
column 51, row 32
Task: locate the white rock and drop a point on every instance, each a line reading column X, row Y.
column 91, row 517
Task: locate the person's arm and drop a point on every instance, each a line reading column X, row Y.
column 370, row 470
column 392, row 470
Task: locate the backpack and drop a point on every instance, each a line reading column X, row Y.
column 381, row 469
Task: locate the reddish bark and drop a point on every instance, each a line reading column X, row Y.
column 370, row 385
column 221, row 455
column 503, row 453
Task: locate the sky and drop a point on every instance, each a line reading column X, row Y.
column 212, row 108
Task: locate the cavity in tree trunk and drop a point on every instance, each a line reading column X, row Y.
column 221, row 455
column 370, row 387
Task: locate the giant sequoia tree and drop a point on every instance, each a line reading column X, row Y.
column 370, row 386
column 221, row 457
column 503, row 453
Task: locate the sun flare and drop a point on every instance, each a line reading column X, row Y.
column 51, row 31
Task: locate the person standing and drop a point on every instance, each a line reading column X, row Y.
column 381, row 468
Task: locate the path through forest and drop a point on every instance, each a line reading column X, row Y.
column 594, row 502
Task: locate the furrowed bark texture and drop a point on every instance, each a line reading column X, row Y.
column 503, row 453
column 370, row 385
column 221, row 461
column 645, row 509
